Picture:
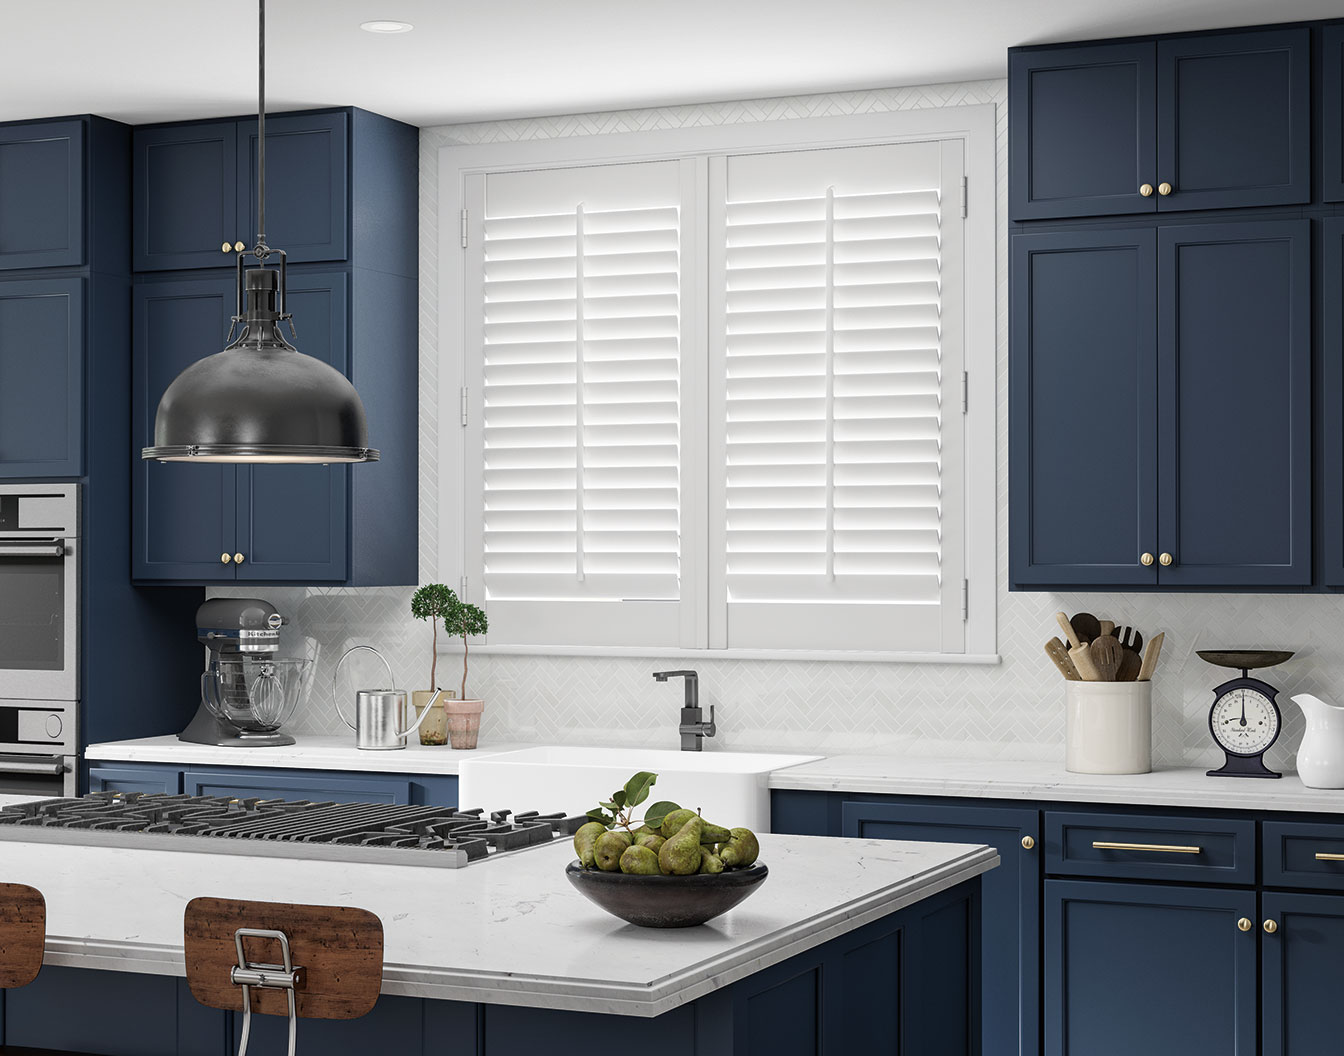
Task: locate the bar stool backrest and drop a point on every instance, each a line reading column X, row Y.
column 23, row 934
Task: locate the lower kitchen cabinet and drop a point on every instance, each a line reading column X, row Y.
column 1300, row 966
column 1010, row 944
column 1161, row 970
column 152, row 780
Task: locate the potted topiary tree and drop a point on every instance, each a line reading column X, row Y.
column 432, row 602
column 464, row 621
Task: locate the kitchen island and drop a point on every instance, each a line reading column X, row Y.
column 848, row 943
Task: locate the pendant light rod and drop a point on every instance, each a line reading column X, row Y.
column 261, row 126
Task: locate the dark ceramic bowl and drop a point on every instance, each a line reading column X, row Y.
column 667, row 901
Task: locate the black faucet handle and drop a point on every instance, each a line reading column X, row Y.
column 663, row 676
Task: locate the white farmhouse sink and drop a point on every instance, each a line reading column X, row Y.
column 729, row 787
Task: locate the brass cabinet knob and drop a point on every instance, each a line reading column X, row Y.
column 1164, row 560
column 237, row 559
column 225, row 248
column 1245, row 924
column 1164, row 189
column 1271, row 926
column 1028, row 842
column 1145, row 559
column 238, row 247
column 1146, row 190
column 224, row 559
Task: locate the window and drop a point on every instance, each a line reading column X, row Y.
column 717, row 398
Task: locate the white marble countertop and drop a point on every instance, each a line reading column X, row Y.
column 1012, row 779
column 506, row 931
column 309, row 752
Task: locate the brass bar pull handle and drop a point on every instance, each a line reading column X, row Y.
column 1162, row 848
column 1326, row 856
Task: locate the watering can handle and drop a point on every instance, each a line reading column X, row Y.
column 336, row 675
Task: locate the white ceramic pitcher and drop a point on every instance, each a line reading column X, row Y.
column 1320, row 760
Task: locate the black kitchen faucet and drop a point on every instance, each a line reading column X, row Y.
column 692, row 728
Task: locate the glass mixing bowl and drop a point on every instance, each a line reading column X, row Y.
column 256, row 694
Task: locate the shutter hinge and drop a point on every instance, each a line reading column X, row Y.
column 463, row 408
column 965, row 599
column 464, row 216
column 965, row 392
column 963, row 207
column 462, row 587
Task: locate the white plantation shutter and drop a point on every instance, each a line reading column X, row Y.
column 835, row 379
column 578, row 280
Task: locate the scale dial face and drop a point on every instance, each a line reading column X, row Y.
column 1244, row 721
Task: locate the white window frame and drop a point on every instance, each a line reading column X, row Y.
column 974, row 125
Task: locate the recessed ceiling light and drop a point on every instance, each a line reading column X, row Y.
column 386, row 26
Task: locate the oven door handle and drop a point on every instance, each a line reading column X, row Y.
column 48, row 548
column 52, row 765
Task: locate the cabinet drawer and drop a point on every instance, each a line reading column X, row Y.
column 1135, row 847
column 1291, row 850
column 319, row 787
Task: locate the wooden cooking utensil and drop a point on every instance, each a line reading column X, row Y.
column 1082, row 660
column 1131, row 640
column 1105, row 653
column 1059, row 655
column 1107, row 627
column 1130, row 665
column 1087, row 626
column 1150, row 656
column 1070, row 635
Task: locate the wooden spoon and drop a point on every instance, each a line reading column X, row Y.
column 1087, row 626
column 1105, row 653
column 1130, row 665
column 1059, row 655
column 1107, row 627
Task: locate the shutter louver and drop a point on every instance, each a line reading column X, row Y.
column 581, row 395
column 833, row 404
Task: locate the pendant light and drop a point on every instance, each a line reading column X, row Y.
column 261, row 400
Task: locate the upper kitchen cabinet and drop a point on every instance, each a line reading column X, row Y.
column 1332, row 113
column 1332, row 418
column 1179, row 123
column 195, row 190
column 42, row 195
column 1160, row 419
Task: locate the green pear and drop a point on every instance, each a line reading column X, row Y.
column 644, row 830
column 653, row 843
column 714, row 834
column 639, row 861
column 742, row 850
column 711, row 863
column 609, row 848
column 674, row 822
column 680, row 855
column 584, row 839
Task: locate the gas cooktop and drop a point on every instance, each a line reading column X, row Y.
column 380, row 833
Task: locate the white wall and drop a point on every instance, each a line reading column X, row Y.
column 1012, row 710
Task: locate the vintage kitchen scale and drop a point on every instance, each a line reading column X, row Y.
column 1244, row 720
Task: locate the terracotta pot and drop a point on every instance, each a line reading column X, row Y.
column 464, row 721
column 434, row 730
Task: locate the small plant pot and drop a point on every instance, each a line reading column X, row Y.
column 434, row 730
column 464, row 721
column 1108, row 727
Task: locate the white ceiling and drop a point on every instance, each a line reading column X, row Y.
column 468, row 60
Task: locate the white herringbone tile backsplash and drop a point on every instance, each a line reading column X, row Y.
column 1011, row 710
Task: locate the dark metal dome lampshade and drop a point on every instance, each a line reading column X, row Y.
column 261, row 399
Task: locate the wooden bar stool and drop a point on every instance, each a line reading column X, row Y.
column 23, row 937
column 280, row 959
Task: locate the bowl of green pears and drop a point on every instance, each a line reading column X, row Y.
column 672, row 869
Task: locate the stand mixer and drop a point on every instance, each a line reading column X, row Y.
column 247, row 692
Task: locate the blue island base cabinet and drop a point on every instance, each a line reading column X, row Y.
column 903, row 985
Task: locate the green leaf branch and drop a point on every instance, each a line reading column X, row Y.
column 619, row 810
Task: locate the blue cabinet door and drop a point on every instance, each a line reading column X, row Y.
column 1010, row 897
column 41, row 378
column 1234, row 337
column 184, row 515
column 1300, row 965
column 136, row 777
column 1234, row 119
column 42, row 195
column 1332, row 113
column 292, row 520
column 1332, row 402
column 317, row 786
column 185, row 196
column 1083, row 394
column 1082, row 137
column 307, row 203
column 1138, row 968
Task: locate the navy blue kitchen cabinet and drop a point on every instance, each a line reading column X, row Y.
column 1301, row 935
column 1234, row 400
column 1010, row 894
column 1332, row 113
column 1156, row 125
column 1083, row 388
column 1161, row 970
column 42, row 194
column 42, row 377
column 1332, row 388
column 195, row 190
column 151, row 778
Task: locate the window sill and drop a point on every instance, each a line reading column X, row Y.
column 857, row 656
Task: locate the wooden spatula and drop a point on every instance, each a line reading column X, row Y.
column 1087, row 626
column 1150, row 656
column 1131, row 639
column 1059, row 655
column 1107, row 626
column 1105, row 653
column 1130, row 665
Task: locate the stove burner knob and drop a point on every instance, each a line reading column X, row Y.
column 54, row 726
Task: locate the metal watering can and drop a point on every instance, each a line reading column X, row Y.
column 380, row 714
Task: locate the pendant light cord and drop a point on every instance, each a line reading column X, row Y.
column 261, row 125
